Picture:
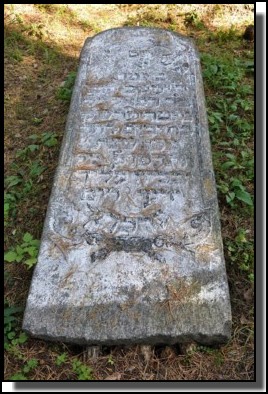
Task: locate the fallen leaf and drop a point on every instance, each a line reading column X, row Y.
column 114, row 376
column 243, row 320
column 168, row 352
column 187, row 348
column 130, row 369
column 248, row 294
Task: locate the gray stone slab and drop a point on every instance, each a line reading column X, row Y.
column 131, row 249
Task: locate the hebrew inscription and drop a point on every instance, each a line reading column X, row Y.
column 133, row 212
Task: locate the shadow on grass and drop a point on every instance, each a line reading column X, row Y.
column 64, row 13
column 34, row 71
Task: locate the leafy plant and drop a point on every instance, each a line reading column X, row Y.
column 221, row 73
column 19, row 185
column 240, row 252
column 13, row 347
column 229, row 128
column 12, row 180
column 37, row 121
column 110, row 360
column 234, row 191
column 61, row 359
column 28, row 367
column 205, row 349
column 223, row 36
column 218, row 358
column 47, row 139
column 36, row 169
column 26, row 252
column 82, row 371
column 9, row 206
column 23, row 153
column 10, row 320
column 18, row 376
column 65, row 92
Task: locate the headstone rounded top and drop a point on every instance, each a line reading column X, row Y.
column 142, row 38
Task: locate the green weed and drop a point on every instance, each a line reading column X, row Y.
column 221, row 73
column 9, row 207
column 10, row 321
column 37, row 121
column 61, row 359
column 234, row 190
column 224, row 36
column 218, row 358
column 65, row 92
column 82, row 371
column 205, row 349
column 12, row 180
column 26, row 252
column 230, row 128
column 18, row 376
column 48, row 139
column 26, row 369
column 28, row 172
column 110, row 360
column 240, row 252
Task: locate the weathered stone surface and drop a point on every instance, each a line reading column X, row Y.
column 131, row 250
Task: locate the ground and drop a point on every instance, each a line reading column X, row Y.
column 42, row 47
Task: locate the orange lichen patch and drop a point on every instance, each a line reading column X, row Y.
column 119, row 136
column 209, row 187
column 118, row 94
column 103, row 106
column 203, row 252
column 181, row 290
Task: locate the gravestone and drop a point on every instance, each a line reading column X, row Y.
column 131, row 250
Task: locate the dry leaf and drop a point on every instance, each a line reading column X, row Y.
column 168, row 352
column 146, row 351
column 114, row 376
column 248, row 294
column 243, row 320
column 187, row 348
